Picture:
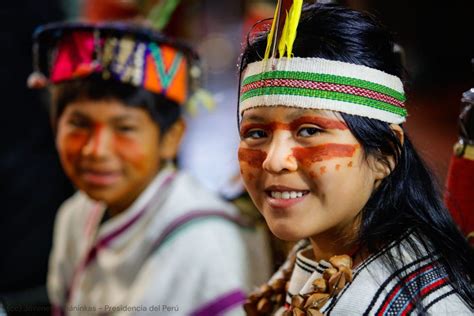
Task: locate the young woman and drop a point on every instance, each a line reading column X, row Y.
column 139, row 236
column 326, row 160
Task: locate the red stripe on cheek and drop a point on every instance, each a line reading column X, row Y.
column 73, row 144
column 308, row 155
column 252, row 157
column 132, row 151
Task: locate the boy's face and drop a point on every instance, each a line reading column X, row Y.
column 111, row 151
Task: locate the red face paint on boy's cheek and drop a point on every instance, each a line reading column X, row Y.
column 73, row 143
column 253, row 157
column 309, row 155
column 98, row 139
column 131, row 151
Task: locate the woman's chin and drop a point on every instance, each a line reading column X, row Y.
column 287, row 232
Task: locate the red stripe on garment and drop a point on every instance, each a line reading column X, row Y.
column 397, row 288
column 423, row 292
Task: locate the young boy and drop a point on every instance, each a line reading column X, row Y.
column 138, row 236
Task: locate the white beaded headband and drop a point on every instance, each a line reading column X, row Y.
column 316, row 83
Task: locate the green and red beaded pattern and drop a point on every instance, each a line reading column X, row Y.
column 324, row 86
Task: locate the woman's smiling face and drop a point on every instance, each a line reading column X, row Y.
column 304, row 170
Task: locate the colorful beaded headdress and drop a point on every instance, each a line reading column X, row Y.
column 316, row 83
column 118, row 51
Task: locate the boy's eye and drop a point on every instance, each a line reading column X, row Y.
column 255, row 134
column 308, row 131
column 79, row 123
column 126, row 128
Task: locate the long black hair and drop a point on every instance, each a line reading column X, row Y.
column 408, row 199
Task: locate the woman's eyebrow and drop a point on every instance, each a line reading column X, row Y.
column 253, row 118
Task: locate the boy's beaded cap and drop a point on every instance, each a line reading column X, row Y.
column 130, row 54
column 315, row 83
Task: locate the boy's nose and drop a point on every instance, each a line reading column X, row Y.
column 98, row 142
column 280, row 155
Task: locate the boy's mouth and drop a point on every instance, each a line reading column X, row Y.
column 100, row 178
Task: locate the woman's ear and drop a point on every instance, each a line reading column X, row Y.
column 171, row 140
column 398, row 131
column 383, row 165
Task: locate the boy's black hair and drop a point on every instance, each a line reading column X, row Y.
column 162, row 110
column 407, row 199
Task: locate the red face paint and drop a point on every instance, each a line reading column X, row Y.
column 322, row 122
column 322, row 170
column 308, row 155
column 97, row 136
column 349, row 164
column 73, row 144
column 253, row 157
column 132, row 151
column 338, row 167
column 270, row 127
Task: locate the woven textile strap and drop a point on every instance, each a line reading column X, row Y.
column 315, row 83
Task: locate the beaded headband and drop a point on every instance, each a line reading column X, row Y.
column 123, row 52
column 315, row 83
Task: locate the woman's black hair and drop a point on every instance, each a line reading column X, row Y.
column 162, row 110
column 407, row 200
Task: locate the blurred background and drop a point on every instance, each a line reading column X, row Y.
column 437, row 43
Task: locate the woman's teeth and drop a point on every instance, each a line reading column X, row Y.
column 286, row 195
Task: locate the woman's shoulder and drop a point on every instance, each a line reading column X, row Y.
column 402, row 276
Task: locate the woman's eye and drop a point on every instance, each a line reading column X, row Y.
column 308, row 131
column 255, row 134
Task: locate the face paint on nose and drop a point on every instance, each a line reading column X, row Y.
column 97, row 137
column 309, row 155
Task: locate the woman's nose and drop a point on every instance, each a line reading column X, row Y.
column 280, row 156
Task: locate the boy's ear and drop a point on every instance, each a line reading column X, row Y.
column 171, row 140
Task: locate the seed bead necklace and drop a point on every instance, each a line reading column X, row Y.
column 270, row 297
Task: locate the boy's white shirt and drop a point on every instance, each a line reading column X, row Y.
column 197, row 265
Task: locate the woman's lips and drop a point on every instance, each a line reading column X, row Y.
column 284, row 197
column 100, row 178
